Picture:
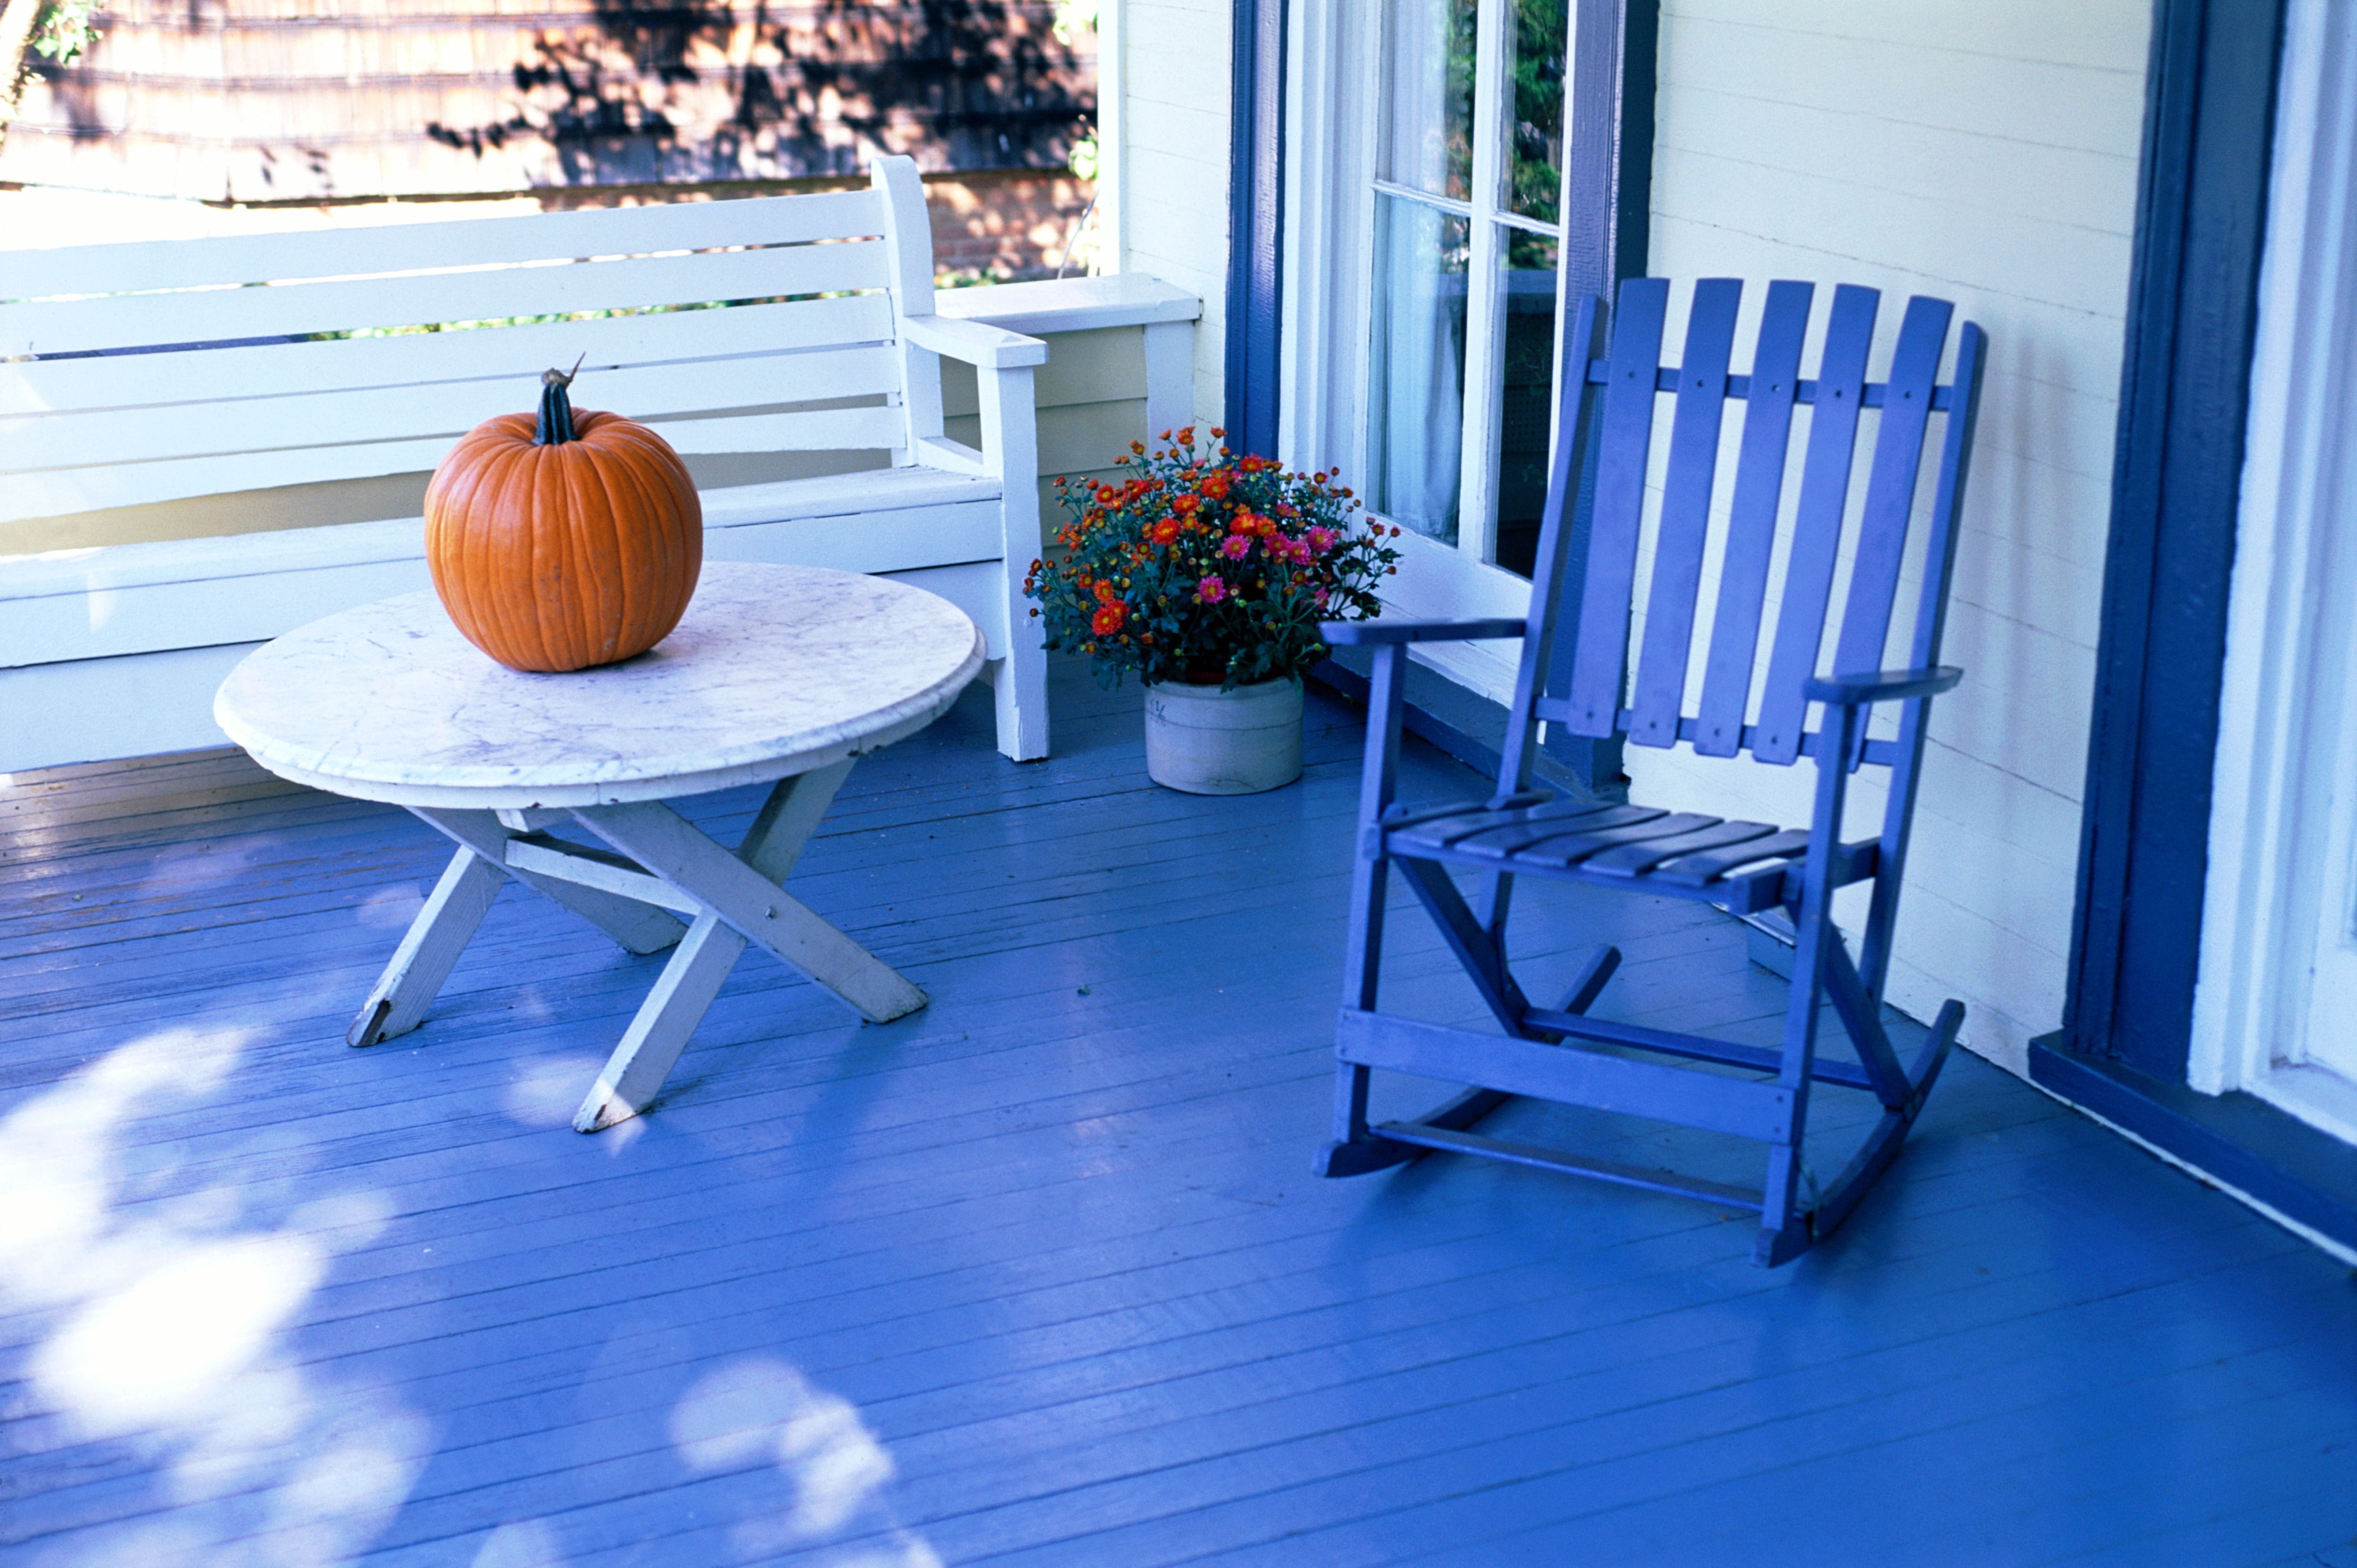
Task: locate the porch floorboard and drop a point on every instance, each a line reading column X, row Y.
column 1037, row 1274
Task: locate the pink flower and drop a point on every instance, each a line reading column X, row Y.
column 1210, row 590
column 1235, row 546
column 1320, row 537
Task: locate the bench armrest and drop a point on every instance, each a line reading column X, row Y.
column 1346, row 633
column 1881, row 686
column 977, row 343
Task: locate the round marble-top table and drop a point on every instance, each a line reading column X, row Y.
column 776, row 672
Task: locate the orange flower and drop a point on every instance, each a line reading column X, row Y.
column 1215, row 486
column 1184, row 505
column 1166, row 530
column 1108, row 620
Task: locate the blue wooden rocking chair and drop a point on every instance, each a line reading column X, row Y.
column 1580, row 683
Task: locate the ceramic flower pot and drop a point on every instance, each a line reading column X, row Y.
column 1205, row 741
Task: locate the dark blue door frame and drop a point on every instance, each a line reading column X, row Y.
column 2184, row 398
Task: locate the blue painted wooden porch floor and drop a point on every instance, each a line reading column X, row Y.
column 1034, row 1275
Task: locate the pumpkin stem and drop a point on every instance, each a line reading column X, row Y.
column 555, row 424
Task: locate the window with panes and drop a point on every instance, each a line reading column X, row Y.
column 1464, row 299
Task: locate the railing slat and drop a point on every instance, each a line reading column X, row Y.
column 1751, row 521
column 1685, row 512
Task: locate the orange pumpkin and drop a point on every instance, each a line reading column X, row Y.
column 564, row 541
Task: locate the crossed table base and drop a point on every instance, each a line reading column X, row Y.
column 784, row 675
column 667, row 867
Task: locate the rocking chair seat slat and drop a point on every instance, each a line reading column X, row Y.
column 1498, row 842
column 1571, row 849
column 1440, row 834
column 1707, row 867
column 1635, row 859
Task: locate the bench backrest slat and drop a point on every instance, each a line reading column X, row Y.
column 189, row 388
column 448, row 409
column 414, row 299
column 282, row 370
column 414, row 247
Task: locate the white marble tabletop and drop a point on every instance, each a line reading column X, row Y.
column 775, row 671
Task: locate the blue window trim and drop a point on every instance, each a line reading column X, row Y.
column 2184, row 392
column 2123, row 1047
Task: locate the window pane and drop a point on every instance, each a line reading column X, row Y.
column 1416, row 389
column 1526, row 402
column 1428, row 96
column 1535, row 175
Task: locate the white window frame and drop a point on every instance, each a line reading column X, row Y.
column 1333, row 93
column 2269, row 831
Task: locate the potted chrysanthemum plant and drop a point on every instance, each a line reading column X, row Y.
column 1206, row 574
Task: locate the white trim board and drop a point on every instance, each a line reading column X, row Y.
column 2285, row 694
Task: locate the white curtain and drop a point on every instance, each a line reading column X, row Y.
column 1417, row 404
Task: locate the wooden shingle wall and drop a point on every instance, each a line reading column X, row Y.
column 1175, row 164
column 253, row 100
column 1987, row 154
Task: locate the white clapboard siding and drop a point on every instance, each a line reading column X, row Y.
column 535, row 288
column 35, row 388
column 417, row 247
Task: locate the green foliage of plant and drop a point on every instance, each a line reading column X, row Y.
column 1072, row 16
column 1204, row 566
column 66, row 30
column 1543, row 34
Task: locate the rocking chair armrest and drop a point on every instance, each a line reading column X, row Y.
column 1344, row 633
column 1881, row 686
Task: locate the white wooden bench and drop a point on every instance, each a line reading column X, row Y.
column 214, row 367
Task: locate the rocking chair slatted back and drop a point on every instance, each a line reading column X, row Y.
column 1587, row 692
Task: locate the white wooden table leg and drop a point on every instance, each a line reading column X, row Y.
column 639, row 927
column 650, row 1048
column 423, row 961
column 670, row 849
column 658, row 1032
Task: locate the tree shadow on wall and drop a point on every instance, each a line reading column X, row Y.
column 649, row 91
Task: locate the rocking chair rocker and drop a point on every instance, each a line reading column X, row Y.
column 1579, row 683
